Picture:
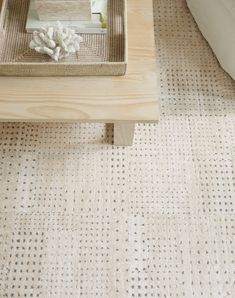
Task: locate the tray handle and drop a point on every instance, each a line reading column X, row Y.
column 3, row 15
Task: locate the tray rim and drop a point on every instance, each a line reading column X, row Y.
column 124, row 62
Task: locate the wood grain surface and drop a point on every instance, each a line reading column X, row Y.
column 133, row 97
column 124, row 133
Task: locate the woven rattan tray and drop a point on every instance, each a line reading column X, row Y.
column 100, row 54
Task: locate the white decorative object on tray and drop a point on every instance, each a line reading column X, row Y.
column 57, row 42
column 96, row 24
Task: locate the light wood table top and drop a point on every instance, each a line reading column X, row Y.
column 132, row 98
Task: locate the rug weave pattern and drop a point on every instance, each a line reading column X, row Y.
column 81, row 218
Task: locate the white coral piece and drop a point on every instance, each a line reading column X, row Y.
column 58, row 42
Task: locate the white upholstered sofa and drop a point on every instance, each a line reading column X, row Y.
column 216, row 20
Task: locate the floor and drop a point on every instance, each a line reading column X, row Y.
column 82, row 218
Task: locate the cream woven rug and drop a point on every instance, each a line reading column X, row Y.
column 80, row 218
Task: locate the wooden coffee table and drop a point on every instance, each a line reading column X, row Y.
column 123, row 101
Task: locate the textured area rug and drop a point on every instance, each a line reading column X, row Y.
column 81, row 218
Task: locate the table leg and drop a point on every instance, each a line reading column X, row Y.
column 124, row 133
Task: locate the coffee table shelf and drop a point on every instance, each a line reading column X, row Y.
column 124, row 100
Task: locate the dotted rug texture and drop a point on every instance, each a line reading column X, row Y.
column 82, row 218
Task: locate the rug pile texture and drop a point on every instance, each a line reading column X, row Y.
column 82, row 218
